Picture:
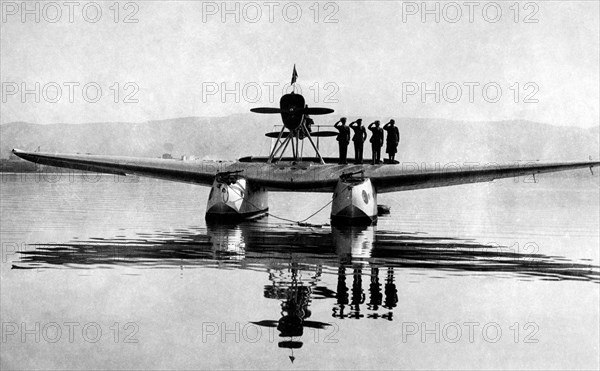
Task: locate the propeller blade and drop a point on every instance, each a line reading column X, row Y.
column 275, row 134
column 317, row 111
column 306, row 111
column 324, row 134
column 266, row 110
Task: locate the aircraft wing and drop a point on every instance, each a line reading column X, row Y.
column 393, row 179
column 197, row 172
column 315, row 178
column 389, row 178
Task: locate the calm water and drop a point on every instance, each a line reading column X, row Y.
column 98, row 273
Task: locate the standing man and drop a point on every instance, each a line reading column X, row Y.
column 308, row 121
column 376, row 141
column 360, row 135
column 343, row 139
column 392, row 139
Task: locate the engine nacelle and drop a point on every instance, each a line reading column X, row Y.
column 292, row 106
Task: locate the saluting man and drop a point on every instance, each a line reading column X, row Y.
column 392, row 139
column 376, row 141
column 343, row 139
column 360, row 135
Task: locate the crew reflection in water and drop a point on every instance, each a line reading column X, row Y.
column 349, row 305
column 296, row 294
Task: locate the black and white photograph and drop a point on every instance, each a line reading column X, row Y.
column 300, row 185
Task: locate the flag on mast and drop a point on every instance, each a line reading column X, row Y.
column 294, row 76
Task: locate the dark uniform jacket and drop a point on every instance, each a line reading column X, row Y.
column 377, row 136
column 360, row 133
column 393, row 135
column 344, row 134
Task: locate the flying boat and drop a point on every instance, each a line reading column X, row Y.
column 239, row 189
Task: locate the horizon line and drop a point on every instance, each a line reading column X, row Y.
column 235, row 114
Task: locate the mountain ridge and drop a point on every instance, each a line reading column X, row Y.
column 238, row 135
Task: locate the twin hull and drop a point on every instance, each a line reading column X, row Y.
column 354, row 201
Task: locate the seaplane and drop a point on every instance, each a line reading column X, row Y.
column 239, row 189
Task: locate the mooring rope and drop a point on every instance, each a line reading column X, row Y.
column 298, row 222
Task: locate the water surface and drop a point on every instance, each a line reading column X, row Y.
column 105, row 272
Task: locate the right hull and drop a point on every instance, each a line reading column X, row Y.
column 354, row 203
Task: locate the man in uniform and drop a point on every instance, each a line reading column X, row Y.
column 343, row 139
column 309, row 122
column 376, row 141
column 392, row 139
column 360, row 135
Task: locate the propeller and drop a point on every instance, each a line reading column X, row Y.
column 317, row 111
column 266, row 110
column 291, row 111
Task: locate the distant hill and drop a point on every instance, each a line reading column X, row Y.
column 231, row 137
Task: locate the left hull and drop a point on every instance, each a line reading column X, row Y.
column 236, row 201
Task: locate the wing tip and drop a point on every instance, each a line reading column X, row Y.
column 18, row 152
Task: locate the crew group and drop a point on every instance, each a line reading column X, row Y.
column 360, row 135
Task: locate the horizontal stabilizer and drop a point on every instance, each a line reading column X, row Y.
column 275, row 134
column 322, row 134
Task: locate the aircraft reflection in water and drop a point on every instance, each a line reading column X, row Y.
column 295, row 295
column 296, row 259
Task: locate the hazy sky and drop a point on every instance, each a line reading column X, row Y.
column 360, row 58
